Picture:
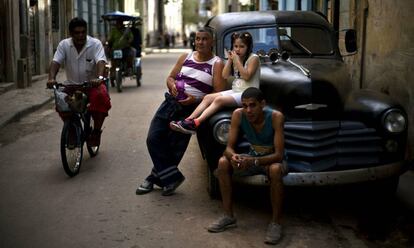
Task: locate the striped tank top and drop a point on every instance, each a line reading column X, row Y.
column 198, row 76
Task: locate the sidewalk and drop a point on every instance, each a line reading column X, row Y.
column 15, row 103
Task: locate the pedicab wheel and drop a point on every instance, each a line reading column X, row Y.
column 71, row 150
column 138, row 76
column 118, row 79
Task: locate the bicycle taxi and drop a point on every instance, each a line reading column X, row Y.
column 119, row 68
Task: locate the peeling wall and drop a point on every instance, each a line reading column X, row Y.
column 388, row 64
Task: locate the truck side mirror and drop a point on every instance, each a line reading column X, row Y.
column 350, row 41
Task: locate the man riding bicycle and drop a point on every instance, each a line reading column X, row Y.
column 84, row 60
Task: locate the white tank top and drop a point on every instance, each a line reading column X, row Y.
column 240, row 84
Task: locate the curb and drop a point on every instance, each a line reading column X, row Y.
column 21, row 110
column 22, row 113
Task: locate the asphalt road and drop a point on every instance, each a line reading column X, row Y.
column 41, row 207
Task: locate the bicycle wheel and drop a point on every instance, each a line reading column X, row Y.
column 92, row 150
column 71, row 147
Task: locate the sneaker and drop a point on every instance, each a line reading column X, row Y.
column 273, row 234
column 169, row 189
column 94, row 138
column 187, row 126
column 222, row 224
column 145, row 187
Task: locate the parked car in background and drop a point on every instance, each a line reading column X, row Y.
column 334, row 134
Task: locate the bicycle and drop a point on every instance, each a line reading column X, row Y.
column 76, row 128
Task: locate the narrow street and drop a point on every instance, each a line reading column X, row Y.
column 41, row 207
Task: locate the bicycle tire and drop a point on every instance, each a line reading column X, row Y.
column 71, row 154
column 92, row 150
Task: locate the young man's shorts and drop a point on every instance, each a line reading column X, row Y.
column 258, row 170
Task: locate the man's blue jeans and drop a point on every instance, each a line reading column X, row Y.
column 167, row 147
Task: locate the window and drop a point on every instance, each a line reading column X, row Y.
column 297, row 40
column 305, row 40
column 264, row 38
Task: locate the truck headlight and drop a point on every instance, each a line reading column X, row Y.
column 221, row 131
column 394, row 121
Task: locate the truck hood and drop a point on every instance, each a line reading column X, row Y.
column 318, row 96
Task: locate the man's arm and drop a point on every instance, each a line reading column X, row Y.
column 53, row 70
column 174, row 72
column 130, row 37
column 58, row 58
column 100, row 71
column 230, row 153
column 100, row 65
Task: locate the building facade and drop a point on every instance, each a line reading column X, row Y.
column 31, row 30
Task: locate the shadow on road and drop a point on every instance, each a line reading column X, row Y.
column 378, row 218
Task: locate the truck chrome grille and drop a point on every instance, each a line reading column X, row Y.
column 325, row 145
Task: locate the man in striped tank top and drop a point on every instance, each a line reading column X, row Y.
column 193, row 76
column 263, row 128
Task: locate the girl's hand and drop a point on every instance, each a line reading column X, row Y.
column 235, row 57
column 229, row 55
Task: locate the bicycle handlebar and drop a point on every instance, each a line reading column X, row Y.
column 85, row 84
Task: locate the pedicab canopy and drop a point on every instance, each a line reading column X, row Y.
column 118, row 15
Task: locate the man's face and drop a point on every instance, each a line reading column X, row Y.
column 79, row 36
column 203, row 42
column 252, row 108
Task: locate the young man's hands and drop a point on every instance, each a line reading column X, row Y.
column 241, row 161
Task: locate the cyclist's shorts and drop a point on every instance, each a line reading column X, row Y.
column 99, row 100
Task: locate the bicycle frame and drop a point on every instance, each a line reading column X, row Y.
column 76, row 129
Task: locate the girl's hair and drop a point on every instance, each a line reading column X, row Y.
column 247, row 39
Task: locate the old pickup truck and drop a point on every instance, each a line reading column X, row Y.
column 334, row 134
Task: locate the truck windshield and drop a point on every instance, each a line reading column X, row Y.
column 297, row 40
column 305, row 40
